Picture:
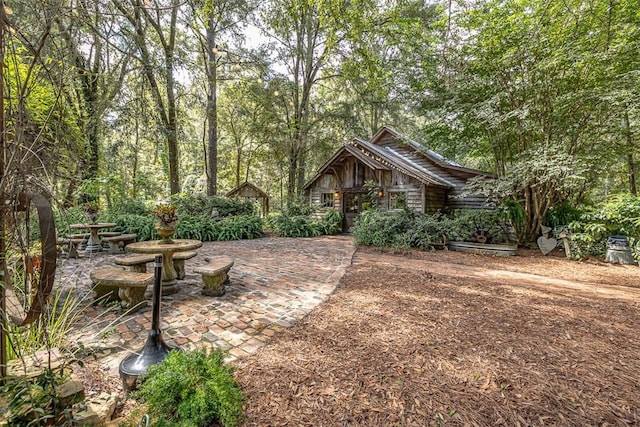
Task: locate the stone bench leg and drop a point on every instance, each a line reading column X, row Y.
column 214, row 284
column 139, row 268
column 72, row 250
column 106, row 293
column 132, row 297
column 178, row 264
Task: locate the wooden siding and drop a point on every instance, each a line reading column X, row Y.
column 434, row 199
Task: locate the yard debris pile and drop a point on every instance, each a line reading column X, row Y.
column 457, row 339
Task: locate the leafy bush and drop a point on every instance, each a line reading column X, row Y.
column 141, row 225
column 382, row 228
column 192, row 389
column 299, row 220
column 426, row 230
column 562, row 215
column 405, row 228
column 331, row 222
column 240, row 227
column 465, row 224
column 131, row 207
column 200, row 227
column 201, row 204
column 294, row 225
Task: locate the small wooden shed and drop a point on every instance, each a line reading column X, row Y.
column 404, row 172
column 248, row 192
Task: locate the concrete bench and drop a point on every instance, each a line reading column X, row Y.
column 215, row 275
column 111, row 283
column 118, row 243
column 178, row 262
column 109, row 233
column 138, row 263
column 79, row 236
column 103, row 234
column 70, row 246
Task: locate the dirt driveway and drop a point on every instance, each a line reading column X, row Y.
column 449, row 338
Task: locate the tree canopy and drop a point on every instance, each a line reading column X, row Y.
column 158, row 96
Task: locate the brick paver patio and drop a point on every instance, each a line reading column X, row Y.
column 273, row 284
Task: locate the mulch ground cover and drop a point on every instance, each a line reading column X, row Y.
column 457, row 339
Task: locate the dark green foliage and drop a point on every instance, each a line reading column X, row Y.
column 201, row 204
column 140, row 225
column 403, row 228
column 192, row 389
column 295, row 209
column 200, row 227
column 562, row 215
column 294, row 225
column 618, row 216
column 240, row 227
column 130, row 206
column 67, row 216
column 332, row 222
column 382, row 228
column 464, row 224
column 425, row 230
column 299, row 221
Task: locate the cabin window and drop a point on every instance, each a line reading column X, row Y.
column 358, row 174
column 326, row 200
column 352, row 205
column 398, row 200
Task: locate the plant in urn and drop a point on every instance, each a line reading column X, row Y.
column 166, row 221
column 91, row 211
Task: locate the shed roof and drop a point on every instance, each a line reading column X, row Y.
column 246, row 184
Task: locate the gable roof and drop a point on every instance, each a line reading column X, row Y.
column 249, row 185
column 409, row 157
column 430, row 154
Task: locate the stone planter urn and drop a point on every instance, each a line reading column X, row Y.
column 92, row 217
column 166, row 230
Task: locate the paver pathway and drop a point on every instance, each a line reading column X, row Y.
column 273, row 283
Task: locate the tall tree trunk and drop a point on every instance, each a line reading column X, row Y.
column 212, row 108
column 166, row 113
column 630, row 158
column 3, row 260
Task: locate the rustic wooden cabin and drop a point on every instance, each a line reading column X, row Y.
column 404, row 173
column 248, row 192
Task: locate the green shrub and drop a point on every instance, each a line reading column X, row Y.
column 465, row 224
column 201, row 204
column 239, row 227
column 130, row 207
column 143, row 226
column 589, row 232
column 331, row 222
column 294, row 225
column 425, row 230
column 192, row 389
column 381, row 228
column 200, row 227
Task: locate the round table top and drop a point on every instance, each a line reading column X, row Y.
column 96, row 225
column 155, row 246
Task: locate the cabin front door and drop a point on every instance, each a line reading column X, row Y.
column 352, row 208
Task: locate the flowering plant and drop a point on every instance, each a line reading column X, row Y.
column 91, row 207
column 165, row 213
